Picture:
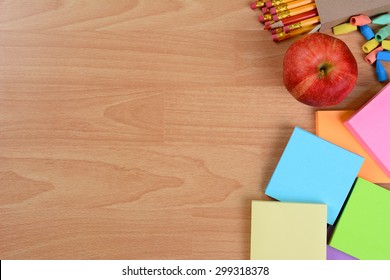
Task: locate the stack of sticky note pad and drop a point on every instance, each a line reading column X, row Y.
column 328, row 181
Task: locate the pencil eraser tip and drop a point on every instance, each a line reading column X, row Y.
column 268, row 4
column 261, row 18
column 264, row 10
column 382, row 19
column 383, row 55
column 381, row 72
column 383, row 33
column 253, row 6
column 371, row 57
column 360, row 20
column 272, row 10
column 286, row 29
column 275, row 17
column 366, row 31
column 274, row 37
column 343, row 28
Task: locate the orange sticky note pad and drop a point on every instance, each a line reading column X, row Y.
column 330, row 126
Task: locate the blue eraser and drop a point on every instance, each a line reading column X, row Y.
column 383, row 55
column 380, row 72
column 366, row 32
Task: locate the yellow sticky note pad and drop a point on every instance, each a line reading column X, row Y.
column 288, row 231
column 330, row 126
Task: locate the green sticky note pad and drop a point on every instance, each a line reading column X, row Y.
column 363, row 229
column 288, row 231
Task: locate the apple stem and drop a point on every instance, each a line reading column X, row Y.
column 324, row 69
column 322, row 73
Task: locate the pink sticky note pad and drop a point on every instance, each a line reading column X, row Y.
column 371, row 127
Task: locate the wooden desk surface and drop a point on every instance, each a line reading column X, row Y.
column 141, row 129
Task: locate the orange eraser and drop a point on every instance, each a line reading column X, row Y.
column 371, row 57
column 360, row 20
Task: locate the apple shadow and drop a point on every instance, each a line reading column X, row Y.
column 359, row 97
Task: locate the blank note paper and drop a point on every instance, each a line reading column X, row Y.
column 288, row 231
column 334, row 254
column 371, row 126
column 313, row 170
column 363, row 230
column 330, row 126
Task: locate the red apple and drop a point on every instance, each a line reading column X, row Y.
column 319, row 70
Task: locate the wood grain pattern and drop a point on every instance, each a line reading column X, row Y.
column 140, row 130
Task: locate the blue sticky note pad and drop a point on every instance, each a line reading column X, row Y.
column 313, row 170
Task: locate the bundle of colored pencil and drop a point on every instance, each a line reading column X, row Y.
column 287, row 18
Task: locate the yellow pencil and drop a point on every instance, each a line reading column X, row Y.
column 289, row 6
column 293, row 12
column 281, row 36
column 273, row 3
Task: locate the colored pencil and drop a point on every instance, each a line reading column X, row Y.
column 283, row 35
column 265, row 17
column 294, row 12
column 273, row 3
column 289, row 6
